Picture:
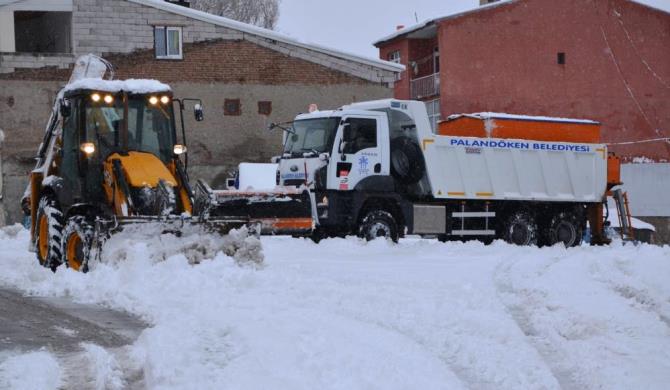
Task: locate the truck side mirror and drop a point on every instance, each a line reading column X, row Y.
column 198, row 113
column 65, row 108
column 347, row 133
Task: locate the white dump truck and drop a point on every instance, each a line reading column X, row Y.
column 377, row 169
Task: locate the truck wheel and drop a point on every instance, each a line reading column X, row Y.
column 77, row 243
column 49, row 232
column 407, row 164
column 521, row 229
column 379, row 223
column 565, row 228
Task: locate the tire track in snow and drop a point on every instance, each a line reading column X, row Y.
column 520, row 313
column 71, row 331
column 629, row 289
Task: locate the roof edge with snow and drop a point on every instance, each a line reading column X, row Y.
column 267, row 34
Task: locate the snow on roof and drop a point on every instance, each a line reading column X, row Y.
column 130, row 85
column 428, row 22
column 265, row 33
column 501, row 115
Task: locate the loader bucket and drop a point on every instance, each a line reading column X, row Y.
column 286, row 211
column 84, row 240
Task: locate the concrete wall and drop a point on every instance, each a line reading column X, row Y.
column 216, row 145
column 648, row 186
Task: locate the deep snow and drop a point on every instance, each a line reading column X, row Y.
column 346, row 314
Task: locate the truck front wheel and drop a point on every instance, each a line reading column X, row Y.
column 379, row 224
column 520, row 228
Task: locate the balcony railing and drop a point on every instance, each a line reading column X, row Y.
column 426, row 86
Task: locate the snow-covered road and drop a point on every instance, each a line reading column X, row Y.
column 346, row 314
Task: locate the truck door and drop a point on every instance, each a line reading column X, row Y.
column 358, row 151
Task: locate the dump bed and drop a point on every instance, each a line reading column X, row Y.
column 508, row 126
column 515, row 169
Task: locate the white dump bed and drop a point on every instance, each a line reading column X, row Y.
column 501, row 169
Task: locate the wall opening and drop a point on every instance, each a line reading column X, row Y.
column 560, row 58
column 43, row 32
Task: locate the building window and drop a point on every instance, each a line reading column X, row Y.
column 265, row 108
column 436, row 60
column 42, row 32
column 433, row 109
column 560, row 58
column 394, row 56
column 168, row 43
column 232, row 107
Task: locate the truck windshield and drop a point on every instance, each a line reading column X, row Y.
column 311, row 136
column 150, row 127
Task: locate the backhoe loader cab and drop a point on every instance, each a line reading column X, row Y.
column 110, row 157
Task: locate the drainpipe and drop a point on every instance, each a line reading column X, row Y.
column 2, row 206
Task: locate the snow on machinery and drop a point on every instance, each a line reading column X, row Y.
column 110, row 161
column 377, row 169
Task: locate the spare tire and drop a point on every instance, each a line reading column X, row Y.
column 407, row 164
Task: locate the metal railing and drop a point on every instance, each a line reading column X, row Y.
column 425, row 86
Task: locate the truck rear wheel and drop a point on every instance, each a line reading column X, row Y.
column 77, row 243
column 566, row 228
column 379, row 224
column 520, row 229
column 49, row 232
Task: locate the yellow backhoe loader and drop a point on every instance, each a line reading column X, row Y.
column 111, row 158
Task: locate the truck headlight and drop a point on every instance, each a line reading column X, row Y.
column 179, row 149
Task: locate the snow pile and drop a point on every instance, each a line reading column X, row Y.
column 30, row 371
column 193, row 243
column 500, row 115
column 130, row 85
column 346, row 314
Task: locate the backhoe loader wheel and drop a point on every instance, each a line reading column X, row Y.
column 77, row 243
column 49, row 232
column 379, row 224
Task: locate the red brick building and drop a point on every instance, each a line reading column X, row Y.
column 607, row 60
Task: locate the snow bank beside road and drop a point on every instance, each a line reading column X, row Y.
column 346, row 314
column 30, row 371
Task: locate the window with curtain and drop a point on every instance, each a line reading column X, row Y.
column 168, row 42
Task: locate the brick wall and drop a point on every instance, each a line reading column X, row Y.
column 109, row 27
column 217, row 61
column 402, row 85
column 617, row 68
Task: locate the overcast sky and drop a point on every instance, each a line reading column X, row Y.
column 353, row 25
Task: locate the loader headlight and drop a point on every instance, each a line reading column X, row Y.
column 95, row 97
column 108, row 99
column 153, row 100
column 179, row 149
column 88, row 148
column 165, row 99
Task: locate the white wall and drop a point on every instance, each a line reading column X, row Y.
column 648, row 187
column 7, row 31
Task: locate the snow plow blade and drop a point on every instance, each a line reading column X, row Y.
column 284, row 212
column 174, row 224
